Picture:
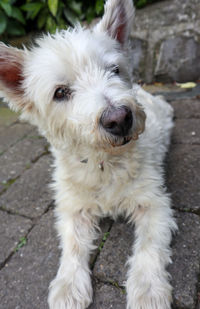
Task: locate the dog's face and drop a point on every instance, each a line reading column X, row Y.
column 75, row 85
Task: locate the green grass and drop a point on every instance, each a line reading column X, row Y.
column 8, row 183
column 22, row 243
column 105, row 236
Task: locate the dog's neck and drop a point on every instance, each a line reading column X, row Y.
column 93, row 159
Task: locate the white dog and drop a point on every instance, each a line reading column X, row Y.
column 109, row 140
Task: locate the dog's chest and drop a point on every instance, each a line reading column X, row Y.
column 105, row 184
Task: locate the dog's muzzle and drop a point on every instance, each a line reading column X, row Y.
column 117, row 121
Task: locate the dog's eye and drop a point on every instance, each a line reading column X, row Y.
column 62, row 93
column 115, row 69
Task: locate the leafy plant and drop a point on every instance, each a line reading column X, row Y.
column 12, row 20
column 18, row 17
column 50, row 15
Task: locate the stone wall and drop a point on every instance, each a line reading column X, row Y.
column 165, row 42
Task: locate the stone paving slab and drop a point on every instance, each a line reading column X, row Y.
column 12, row 134
column 187, row 108
column 183, row 176
column 111, row 263
column 29, row 272
column 30, row 195
column 105, row 226
column 12, row 228
column 186, row 131
column 108, row 297
column 20, row 157
column 186, row 257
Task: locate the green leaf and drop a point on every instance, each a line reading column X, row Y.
column 17, row 14
column 70, row 16
column 99, row 6
column 141, row 3
column 32, row 9
column 14, row 28
column 42, row 18
column 11, row 1
column 3, row 22
column 53, row 6
column 90, row 14
column 61, row 24
column 6, row 7
column 51, row 25
column 76, row 7
column 22, row 242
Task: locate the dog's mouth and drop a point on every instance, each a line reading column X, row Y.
column 121, row 141
column 126, row 140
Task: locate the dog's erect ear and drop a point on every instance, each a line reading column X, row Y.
column 11, row 75
column 117, row 19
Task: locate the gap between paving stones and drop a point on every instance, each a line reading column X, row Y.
column 116, row 284
column 19, row 139
column 2, row 265
column 176, row 99
column 95, row 256
column 101, row 245
column 10, row 181
column 34, row 223
column 27, row 196
column 10, row 212
column 187, row 210
column 110, row 283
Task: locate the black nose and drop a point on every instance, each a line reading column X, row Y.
column 117, row 121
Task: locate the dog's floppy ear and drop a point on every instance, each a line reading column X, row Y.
column 117, row 19
column 11, row 76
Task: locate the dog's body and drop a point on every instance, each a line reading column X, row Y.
column 75, row 86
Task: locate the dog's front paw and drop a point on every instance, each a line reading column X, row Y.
column 148, row 296
column 76, row 294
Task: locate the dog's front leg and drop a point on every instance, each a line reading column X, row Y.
column 72, row 289
column 148, row 283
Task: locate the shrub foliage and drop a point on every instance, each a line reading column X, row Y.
column 17, row 17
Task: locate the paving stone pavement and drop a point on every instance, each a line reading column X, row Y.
column 29, row 252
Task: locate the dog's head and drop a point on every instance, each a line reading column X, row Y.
column 75, row 85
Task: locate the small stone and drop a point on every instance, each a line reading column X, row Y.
column 186, row 131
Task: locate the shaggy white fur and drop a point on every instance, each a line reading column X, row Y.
column 65, row 84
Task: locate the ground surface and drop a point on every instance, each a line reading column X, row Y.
column 29, row 253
